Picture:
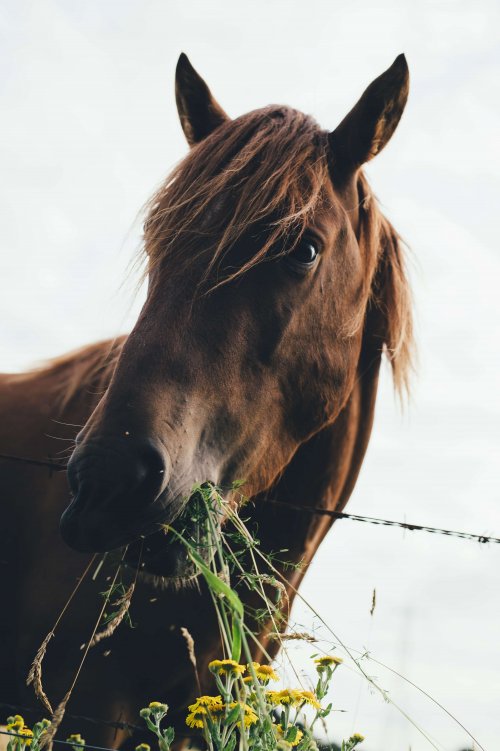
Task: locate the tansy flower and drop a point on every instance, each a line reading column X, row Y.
column 249, row 716
column 273, row 697
column 195, row 718
column 76, row 739
column 327, row 660
column 226, row 667
column 217, row 711
column 209, row 702
column 27, row 735
column 356, row 738
column 15, row 723
column 264, row 673
column 307, row 697
column 287, row 696
column 284, row 734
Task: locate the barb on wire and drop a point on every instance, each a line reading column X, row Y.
column 383, row 522
column 116, row 724
column 56, row 740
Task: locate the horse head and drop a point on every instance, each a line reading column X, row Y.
column 267, row 261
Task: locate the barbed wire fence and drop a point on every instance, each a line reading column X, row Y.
column 54, row 466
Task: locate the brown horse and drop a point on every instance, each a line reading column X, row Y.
column 274, row 286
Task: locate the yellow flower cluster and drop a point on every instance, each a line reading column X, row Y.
column 249, row 716
column 210, row 702
column 16, row 725
column 76, row 739
column 327, row 660
column 281, row 734
column 203, row 706
column 357, row 738
column 226, row 667
column 213, row 707
column 264, row 673
column 292, row 697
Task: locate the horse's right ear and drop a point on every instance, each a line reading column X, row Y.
column 372, row 121
column 199, row 113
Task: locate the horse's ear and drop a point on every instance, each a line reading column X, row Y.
column 199, row 113
column 372, row 121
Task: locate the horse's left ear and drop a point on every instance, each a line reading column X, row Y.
column 372, row 121
column 199, row 112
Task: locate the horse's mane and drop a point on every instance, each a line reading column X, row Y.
column 269, row 163
column 88, row 368
column 390, row 291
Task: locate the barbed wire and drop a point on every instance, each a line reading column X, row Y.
column 60, row 467
column 61, row 743
column 385, row 522
column 116, row 724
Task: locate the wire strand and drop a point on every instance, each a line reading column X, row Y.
column 53, row 466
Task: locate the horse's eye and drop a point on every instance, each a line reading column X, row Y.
column 303, row 257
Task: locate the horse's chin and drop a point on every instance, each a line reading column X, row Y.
column 159, row 558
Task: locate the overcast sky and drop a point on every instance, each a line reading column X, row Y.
column 89, row 128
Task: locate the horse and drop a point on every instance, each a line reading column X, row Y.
column 275, row 285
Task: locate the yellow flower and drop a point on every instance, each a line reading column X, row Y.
column 307, row 697
column 210, row 702
column 281, row 733
column 287, row 696
column 357, row 738
column 327, row 660
column 195, row 719
column 143, row 747
column 249, row 716
column 292, row 697
column 26, row 733
column 158, row 706
column 15, row 723
column 217, row 711
column 273, row 697
column 226, row 667
column 264, row 672
column 76, row 739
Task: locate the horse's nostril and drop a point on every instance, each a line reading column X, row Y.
column 121, row 473
column 150, row 467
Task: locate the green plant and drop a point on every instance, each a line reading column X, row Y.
column 245, row 713
column 248, row 715
column 23, row 737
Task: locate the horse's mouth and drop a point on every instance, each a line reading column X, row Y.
column 151, row 547
column 161, row 556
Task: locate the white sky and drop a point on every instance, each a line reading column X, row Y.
column 89, row 128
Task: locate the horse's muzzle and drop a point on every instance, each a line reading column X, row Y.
column 117, row 488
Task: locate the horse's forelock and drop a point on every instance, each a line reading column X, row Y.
column 269, row 163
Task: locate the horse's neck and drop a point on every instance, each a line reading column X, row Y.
column 323, row 473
